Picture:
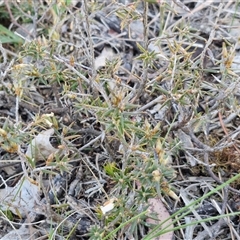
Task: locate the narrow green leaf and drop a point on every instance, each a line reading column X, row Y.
column 7, row 36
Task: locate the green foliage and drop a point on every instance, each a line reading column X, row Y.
column 10, row 137
column 141, row 146
column 7, row 36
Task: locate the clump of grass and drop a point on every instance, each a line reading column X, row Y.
column 117, row 133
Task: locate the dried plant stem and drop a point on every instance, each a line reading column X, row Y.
column 91, row 49
column 145, row 43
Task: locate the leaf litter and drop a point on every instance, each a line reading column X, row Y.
column 175, row 82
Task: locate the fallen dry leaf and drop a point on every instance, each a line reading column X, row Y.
column 20, row 199
column 157, row 207
column 106, row 54
column 40, row 148
column 22, row 233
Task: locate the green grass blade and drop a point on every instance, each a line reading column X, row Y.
column 7, row 36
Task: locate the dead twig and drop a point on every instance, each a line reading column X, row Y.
column 225, row 130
